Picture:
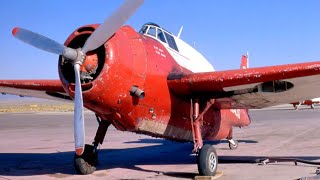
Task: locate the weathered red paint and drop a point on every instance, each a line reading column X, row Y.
column 131, row 60
column 215, row 82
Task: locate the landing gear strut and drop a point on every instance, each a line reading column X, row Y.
column 312, row 106
column 233, row 144
column 87, row 162
column 207, row 158
column 296, row 106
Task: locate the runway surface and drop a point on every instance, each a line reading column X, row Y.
column 40, row 146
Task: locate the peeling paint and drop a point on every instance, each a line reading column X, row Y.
column 163, row 130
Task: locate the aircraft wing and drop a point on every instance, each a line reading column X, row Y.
column 254, row 87
column 47, row 89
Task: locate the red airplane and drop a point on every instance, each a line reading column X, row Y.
column 151, row 82
column 309, row 102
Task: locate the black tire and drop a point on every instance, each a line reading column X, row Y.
column 233, row 146
column 207, row 160
column 87, row 162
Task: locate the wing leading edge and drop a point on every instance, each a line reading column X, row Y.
column 47, row 89
column 254, row 87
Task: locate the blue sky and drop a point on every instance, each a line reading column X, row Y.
column 274, row 32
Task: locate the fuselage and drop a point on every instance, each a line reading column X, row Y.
column 131, row 59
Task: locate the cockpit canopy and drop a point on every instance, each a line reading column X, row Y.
column 155, row 31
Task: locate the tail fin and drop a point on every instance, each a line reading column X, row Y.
column 244, row 61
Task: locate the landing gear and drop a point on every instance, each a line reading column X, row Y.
column 312, row 106
column 207, row 160
column 296, row 106
column 233, row 144
column 87, row 162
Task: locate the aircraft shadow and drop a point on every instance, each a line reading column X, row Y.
column 27, row 164
column 164, row 142
column 166, row 153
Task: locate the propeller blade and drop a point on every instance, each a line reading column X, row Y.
column 38, row 40
column 111, row 25
column 79, row 132
column 41, row 42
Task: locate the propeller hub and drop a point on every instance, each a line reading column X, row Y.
column 91, row 63
column 76, row 56
column 80, row 57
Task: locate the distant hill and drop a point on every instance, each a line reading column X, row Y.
column 9, row 97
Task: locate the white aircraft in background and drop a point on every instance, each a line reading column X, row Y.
column 309, row 102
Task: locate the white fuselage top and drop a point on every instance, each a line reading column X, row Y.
column 185, row 55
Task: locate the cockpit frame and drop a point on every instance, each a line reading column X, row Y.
column 155, row 31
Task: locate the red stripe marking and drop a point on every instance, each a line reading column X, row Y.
column 15, row 30
column 79, row 151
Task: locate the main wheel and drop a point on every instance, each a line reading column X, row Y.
column 207, row 160
column 233, row 146
column 87, row 162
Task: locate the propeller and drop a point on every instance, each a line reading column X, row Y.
column 111, row 25
column 77, row 56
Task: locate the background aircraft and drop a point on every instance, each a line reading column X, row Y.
column 309, row 102
column 152, row 82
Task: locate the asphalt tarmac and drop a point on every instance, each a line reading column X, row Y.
column 40, row 146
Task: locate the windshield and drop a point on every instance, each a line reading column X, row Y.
column 156, row 32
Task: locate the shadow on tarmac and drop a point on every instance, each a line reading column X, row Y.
column 166, row 153
column 164, row 142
